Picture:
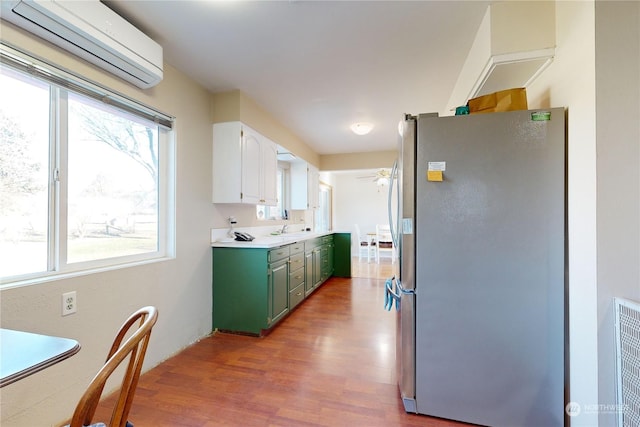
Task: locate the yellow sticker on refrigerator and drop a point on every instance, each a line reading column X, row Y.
column 434, row 176
column 435, row 171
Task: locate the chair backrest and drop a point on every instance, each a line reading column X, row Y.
column 359, row 234
column 133, row 348
column 383, row 233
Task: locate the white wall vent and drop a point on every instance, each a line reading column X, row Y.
column 628, row 361
column 94, row 32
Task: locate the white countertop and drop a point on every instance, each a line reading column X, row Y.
column 270, row 241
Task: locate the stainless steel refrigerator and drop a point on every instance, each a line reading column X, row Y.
column 480, row 228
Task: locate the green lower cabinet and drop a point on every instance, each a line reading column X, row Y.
column 327, row 257
column 254, row 288
column 241, row 283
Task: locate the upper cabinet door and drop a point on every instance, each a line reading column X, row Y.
column 313, row 187
column 227, row 162
column 304, row 186
column 269, row 170
column 251, row 166
column 245, row 165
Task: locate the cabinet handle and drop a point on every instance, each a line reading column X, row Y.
column 298, row 294
column 298, row 277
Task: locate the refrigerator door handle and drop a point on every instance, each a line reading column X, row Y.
column 404, row 291
column 392, row 226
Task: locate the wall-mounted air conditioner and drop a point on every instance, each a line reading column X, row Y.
column 94, row 32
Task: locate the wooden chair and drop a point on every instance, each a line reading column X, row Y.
column 366, row 245
column 134, row 348
column 385, row 243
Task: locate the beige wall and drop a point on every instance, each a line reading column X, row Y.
column 570, row 82
column 617, row 69
column 354, row 161
column 596, row 74
column 236, row 106
column 180, row 287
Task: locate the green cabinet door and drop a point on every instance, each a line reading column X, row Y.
column 308, row 272
column 342, row 254
column 240, row 290
column 317, row 266
column 278, row 290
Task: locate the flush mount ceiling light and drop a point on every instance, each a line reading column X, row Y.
column 361, row 128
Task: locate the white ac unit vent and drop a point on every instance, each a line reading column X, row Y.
column 627, row 322
column 94, row 32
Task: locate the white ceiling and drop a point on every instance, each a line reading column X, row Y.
column 319, row 66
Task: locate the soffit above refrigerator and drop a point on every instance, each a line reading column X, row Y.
column 514, row 44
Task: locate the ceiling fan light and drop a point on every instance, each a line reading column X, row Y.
column 361, row 128
column 382, row 181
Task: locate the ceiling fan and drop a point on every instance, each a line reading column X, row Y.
column 380, row 177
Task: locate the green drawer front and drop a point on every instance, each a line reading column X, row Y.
column 312, row 243
column 296, row 296
column 327, row 240
column 278, row 253
column 296, row 261
column 296, row 247
column 296, row 278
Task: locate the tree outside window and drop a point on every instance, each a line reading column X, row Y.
column 79, row 189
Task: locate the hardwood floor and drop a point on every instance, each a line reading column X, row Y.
column 330, row 363
column 382, row 270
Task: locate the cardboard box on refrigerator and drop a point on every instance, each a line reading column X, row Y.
column 504, row 100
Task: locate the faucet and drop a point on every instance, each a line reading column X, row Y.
column 284, row 228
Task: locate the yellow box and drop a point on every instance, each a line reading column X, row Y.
column 504, row 100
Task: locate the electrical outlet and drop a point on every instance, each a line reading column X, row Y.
column 69, row 303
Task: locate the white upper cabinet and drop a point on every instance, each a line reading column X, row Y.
column 269, row 151
column 305, row 186
column 245, row 165
column 313, row 187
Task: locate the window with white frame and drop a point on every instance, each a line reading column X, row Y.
column 323, row 213
column 84, row 183
column 279, row 211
